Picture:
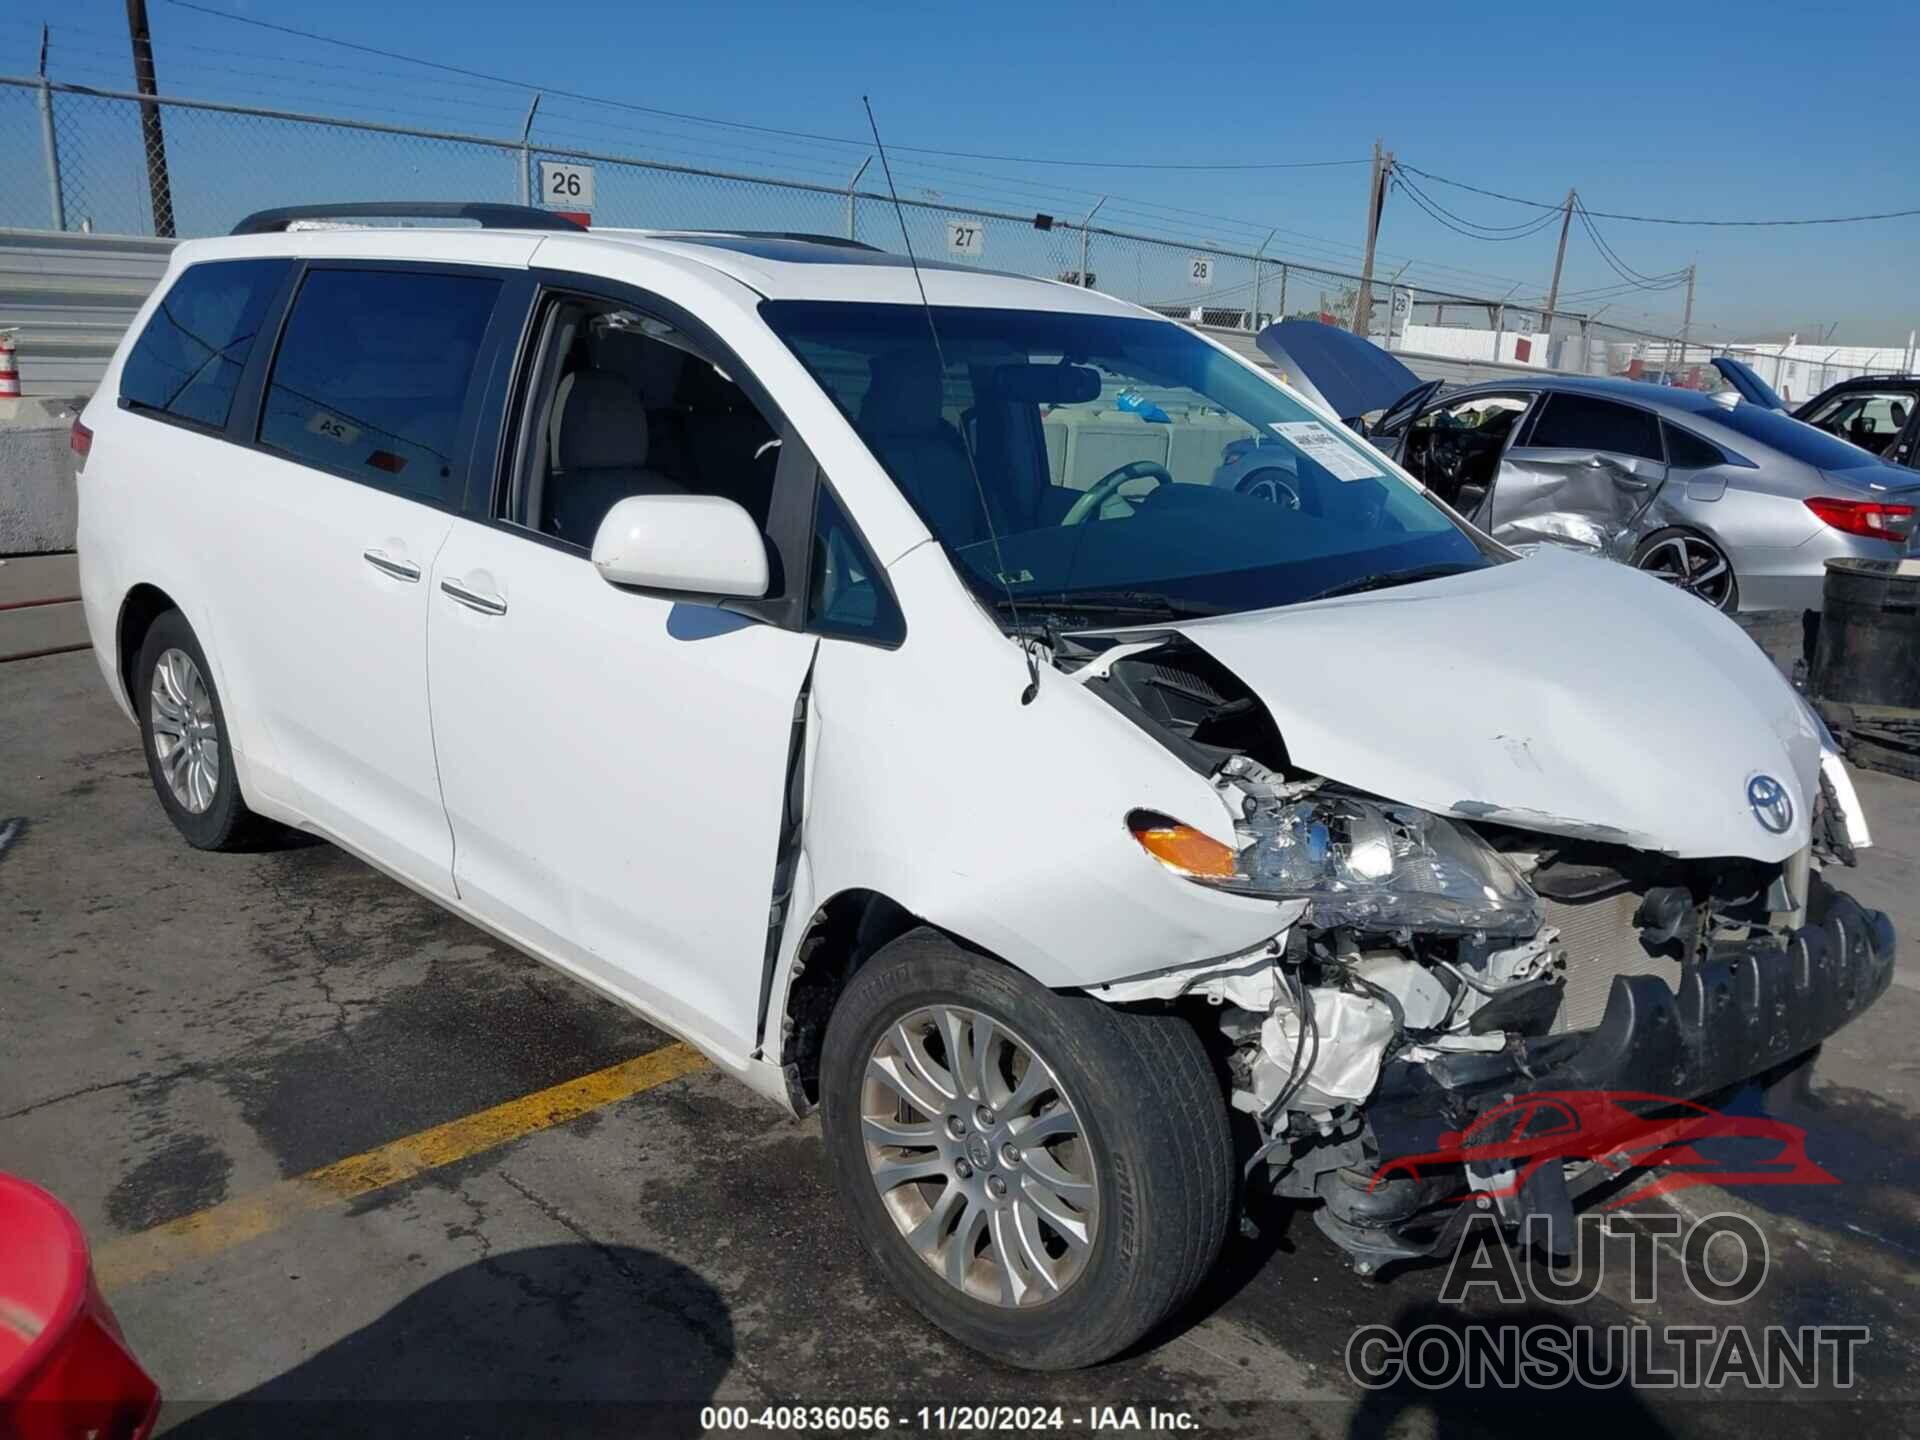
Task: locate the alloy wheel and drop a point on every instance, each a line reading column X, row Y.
column 186, row 737
column 979, row 1156
column 1268, row 485
column 1692, row 564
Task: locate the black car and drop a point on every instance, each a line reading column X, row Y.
column 1879, row 413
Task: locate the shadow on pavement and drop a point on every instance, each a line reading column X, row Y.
column 557, row 1340
column 1443, row 1411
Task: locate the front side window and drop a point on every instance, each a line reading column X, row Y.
column 846, row 595
column 626, row 404
column 372, row 375
column 1572, row 421
column 1455, row 449
column 187, row 362
column 1871, row 419
column 1061, row 456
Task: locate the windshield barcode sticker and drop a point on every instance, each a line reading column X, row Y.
column 1326, row 449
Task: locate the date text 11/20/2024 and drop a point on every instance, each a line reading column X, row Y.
column 937, row 1419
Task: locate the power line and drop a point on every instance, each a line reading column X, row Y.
column 1620, row 267
column 1648, row 219
column 476, row 75
column 1472, row 229
column 1478, row 230
column 1460, row 223
column 499, row 106
column 744, row 125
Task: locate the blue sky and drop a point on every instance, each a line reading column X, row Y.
column 1751, row 110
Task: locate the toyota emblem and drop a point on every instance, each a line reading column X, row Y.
column 1772, row 806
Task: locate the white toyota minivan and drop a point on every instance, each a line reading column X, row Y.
column 851, row 667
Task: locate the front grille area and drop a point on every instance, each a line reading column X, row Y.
column 1601, row 942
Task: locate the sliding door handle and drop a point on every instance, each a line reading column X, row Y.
column 475, row 599
column 388, row 565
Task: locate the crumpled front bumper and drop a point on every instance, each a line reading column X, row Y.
column 1741, row 1011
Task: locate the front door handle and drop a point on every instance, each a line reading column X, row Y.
column 387, row 565
column 475, row 599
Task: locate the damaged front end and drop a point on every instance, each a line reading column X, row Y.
column 1431, row 968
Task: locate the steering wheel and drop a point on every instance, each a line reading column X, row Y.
column 1446, row 455
column 1102, row 490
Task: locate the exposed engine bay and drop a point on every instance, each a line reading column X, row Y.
column 1429, row 966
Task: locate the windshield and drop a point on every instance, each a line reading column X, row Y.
column 1122, row 462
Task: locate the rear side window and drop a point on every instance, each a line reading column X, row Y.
column 187, row 362
column 1687, row 451
column 372, row 375
column 1585, row 422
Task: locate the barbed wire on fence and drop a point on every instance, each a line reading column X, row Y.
column 91, row 170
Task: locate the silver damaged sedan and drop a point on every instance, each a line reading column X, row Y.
column 1731, row 501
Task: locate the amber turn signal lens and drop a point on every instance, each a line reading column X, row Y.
column 1181, row 848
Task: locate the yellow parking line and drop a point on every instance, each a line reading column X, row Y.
column 247, row 1217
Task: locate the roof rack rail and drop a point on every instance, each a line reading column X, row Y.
column 489, row 216
column 807, row 237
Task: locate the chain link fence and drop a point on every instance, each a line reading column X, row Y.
column 79, row 159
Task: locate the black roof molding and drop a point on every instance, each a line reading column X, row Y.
column 488, row 216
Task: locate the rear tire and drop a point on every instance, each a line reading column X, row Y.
column 1689, row 561
column 1138, row 1138
column 184, row 731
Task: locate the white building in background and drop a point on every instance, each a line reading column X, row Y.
column 1800, row 369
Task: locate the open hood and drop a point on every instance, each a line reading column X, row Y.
column 1557, row 693
column 1747, row 383
column 1350, row 376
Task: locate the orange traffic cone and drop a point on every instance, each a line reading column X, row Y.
column 9, row 370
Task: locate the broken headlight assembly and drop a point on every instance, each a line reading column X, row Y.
column 1358, row 862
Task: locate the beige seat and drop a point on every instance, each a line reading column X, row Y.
column 600, row 456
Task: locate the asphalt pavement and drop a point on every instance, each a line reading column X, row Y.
column 352, row 1167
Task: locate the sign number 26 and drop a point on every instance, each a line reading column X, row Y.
column 566, row 187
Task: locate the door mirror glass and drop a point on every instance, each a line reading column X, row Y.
column 697, row 544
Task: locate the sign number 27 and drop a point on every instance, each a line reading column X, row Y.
column 966, row 237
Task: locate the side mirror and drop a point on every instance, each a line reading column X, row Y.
column 702, row 544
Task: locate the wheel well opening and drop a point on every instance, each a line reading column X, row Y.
column 842, row 936
column 144, row 604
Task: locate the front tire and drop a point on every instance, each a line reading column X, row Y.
column 1043, row 1176
column 184, row 731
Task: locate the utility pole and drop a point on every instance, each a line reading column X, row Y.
column 1559, row 259
column 1376, row 201
column 853, row 187
column 1086, row 235
column 526, row 152
column 156, row 141
column 1253, row 316
column 1686, row 319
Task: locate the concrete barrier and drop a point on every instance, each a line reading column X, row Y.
column 38, row 506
